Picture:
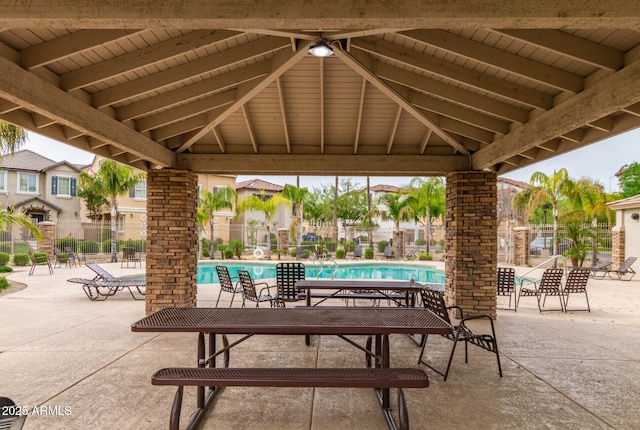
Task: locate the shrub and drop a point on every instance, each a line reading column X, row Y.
column 228, row 253
column 293, row 252
column 340, row 253
column 89, row 247
column 4, row 258
column 21, row 259
column 331, row 245
column 5, row 269
column 40, row 256
column 349, row 246
column 237, row 247
column 3, row 283
column 368, row 254
column 421, row 242
column 382, row 245
column 425, row 256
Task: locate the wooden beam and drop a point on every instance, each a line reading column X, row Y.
column 616, row 92
column 356, row 139
column 358, row 165
column 283, row 113
column 25, row 89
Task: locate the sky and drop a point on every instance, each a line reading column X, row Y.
column 599, row 161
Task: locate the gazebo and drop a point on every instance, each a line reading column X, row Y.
column 467, row 90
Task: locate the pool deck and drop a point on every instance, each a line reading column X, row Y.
column 79, row 359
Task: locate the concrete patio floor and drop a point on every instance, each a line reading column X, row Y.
column 575, row 370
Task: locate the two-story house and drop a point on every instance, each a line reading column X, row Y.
column 44, row 189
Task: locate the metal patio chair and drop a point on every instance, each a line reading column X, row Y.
column 39, row 260
column 228, row 284
column 287, row 274
column 251, row 293
column 576, row 284
column 434, row 301
column 506, row 284
column 549, row 285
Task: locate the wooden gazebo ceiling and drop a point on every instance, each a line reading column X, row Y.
column 413, row 87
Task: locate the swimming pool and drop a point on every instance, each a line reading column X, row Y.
column 425, row 274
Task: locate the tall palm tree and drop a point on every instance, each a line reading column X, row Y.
column 549, row 189
column 427, row 197
column 115, row 179
column 11, row 138
column 268, row 205
column 398, row 210
column 209, row 204
column 297, row 197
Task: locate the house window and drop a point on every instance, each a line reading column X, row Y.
column 220, row 189
column 3, row 181
column 63, row 186
column 139, row 191
column 27, row 182
column 120, row 223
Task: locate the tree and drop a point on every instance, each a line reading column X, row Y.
column 11, row 138
column 629, row 180
column 351, row 204
column 111, row 181
column 296, row 196
column 90, row 191
column 547, row 189
column 266, row 204
column 10, row 218
column 398, row 210
column 427, row 198
column 209, row 204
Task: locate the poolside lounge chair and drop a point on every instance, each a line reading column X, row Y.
column 40, row 260
column 624, row 272
column 357, row 252
column 600, row 270
column 434, row 301
column 105, row 285
column 388, row 253
column 411, row 255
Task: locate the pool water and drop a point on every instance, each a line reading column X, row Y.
column 424, row 274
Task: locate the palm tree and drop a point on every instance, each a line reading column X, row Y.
column 209, row 204
column 268, row 205
column 113, row 180
column 11, row 138
column 10, row 218
column 90, row 190
column 427, row 197
column 398, row 210
column 297, row 197
column 549, row 189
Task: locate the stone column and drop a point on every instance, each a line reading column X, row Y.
column 471, row 240
column 521, row 239
column 283, row 239
column 172, row 239
column 398, row 243
column 617, row 246
column 48, row 230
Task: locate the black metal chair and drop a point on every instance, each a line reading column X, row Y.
column 287, row 274
column 250, row 292
column 129, row 255
column 506, row 284
column 434, row 301
column 228, row 284
column 549, row 285
column 576, row 284
column 11, row 417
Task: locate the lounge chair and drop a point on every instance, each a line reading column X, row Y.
column 63, row 258
column 388, row 253
column 624, row 272
column 105, row 285
column 411, row 255
column 600, row 270
column 357, row 252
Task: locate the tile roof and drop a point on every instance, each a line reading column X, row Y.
column 26, row 160
column 259, row 184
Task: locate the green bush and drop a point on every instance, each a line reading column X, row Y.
column 3, row 283
column 40, row 257
column 340, row 253
column 330, row 245
column 237, row 247
column 106, row 246
column 425, row 256
column 228, row 253
column 5, row 269
column 349, row 246
column 368, row 254
column 421, row 242
column 382, row 245
column 89, row 247
column 20, row 259
column 4, row 258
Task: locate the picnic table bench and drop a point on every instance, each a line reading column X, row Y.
column 370, row 377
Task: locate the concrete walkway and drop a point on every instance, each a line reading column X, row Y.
column 80, row 360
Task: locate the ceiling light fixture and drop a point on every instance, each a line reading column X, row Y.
column 321, row 49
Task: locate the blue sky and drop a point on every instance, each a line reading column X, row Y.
column 599, row 161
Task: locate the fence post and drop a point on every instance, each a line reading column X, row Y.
column 48, row 230
column 521, row 241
